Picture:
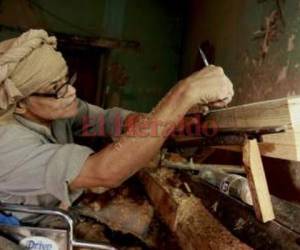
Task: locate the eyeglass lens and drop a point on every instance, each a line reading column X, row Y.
column 63, row 90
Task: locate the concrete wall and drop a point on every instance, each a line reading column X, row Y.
column 261, row 66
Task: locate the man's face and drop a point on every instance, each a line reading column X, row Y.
column 51, row 108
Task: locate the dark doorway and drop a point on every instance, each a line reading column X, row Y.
column 90, row 65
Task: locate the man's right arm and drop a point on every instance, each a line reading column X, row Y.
column 120, row 160
column 94, row 121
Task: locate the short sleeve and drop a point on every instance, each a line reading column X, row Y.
column 95, row 121
column 62, row 168
column 30, row 167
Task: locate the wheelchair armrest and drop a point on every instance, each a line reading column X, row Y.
column 56, row 212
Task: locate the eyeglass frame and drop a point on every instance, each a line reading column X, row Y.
column 55, row 95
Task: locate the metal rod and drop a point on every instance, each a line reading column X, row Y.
column 198, row 167
column 44, row 211
column 203, row 57
column 92, row 245
column 56, row 212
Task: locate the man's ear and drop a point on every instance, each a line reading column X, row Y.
column 21, row 107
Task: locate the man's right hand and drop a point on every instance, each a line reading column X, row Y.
column 209, row 86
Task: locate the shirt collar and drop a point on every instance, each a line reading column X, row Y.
column 39, row 128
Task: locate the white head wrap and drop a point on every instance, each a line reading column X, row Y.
column 27, row 63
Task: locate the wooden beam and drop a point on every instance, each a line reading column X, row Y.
column 278, row 112
column 283, row 145
column 257, row 181
column 287, row 151
column 84, row 41
column 185, row 214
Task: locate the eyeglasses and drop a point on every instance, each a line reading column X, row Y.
column 61, row 91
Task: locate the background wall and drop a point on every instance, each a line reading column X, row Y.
column 136, row 79
column 152, row 70
column 257, row 43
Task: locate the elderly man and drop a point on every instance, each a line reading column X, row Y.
column 40, row 114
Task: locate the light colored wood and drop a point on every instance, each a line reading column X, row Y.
column 278, row 112
column 280, row 151
column 282, row 146
column 257, row 181
column 290, row 137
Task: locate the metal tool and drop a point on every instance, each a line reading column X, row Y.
column 226, row 137
column 220, row 176
column 238, row 136
column 206, row 108
column 203, row 57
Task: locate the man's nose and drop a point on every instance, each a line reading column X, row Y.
column 71, row 91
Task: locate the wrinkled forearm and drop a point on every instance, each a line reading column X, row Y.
column 120, row 160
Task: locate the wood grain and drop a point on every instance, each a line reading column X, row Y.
column 257, row 181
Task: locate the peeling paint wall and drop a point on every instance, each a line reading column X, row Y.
column 258, row 45
column 258, row 48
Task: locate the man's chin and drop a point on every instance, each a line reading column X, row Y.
column 68, row 112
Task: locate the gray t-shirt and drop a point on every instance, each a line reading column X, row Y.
column 36, row 163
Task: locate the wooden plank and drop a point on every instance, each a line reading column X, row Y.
column 282, row 146
column 279, row 151
column 185, row 214
column 257, row 181
column 278, row 112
